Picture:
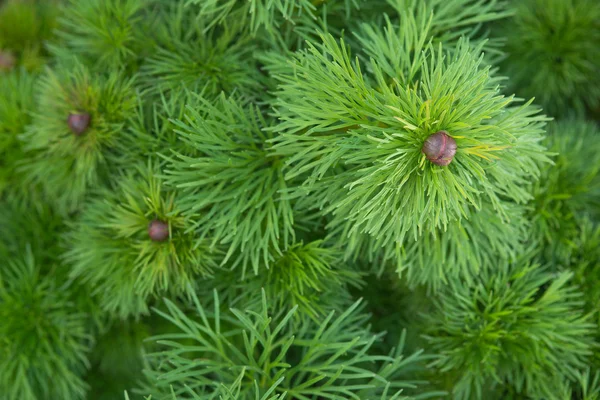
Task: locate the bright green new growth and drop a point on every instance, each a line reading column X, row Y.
column 553, row 53
column 356, row 138
column 231, row 186
column 43, row 339
column 258, row 354
column 515, row 324
column 63, row 164
column 109, row 246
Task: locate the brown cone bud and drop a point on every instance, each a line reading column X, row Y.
column 7, row 60
column 78, row 123
column 158, row 231
column 440, row 148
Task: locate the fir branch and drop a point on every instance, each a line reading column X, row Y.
column 453, row 19
column 152, row 129
column 109, row 246
column 437, row 21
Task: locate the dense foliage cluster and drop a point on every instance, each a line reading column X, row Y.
column 299, row 199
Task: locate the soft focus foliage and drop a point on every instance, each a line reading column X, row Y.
column 299, row 199
column 553, row 53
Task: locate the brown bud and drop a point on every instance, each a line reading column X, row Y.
column 440, row 148
column 158, row 231
column 78, row 123
column 7, row 60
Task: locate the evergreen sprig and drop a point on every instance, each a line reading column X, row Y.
column 256, row 353
column 452, row 20
column 151, row 130
column 262, row 164
column 109, row 245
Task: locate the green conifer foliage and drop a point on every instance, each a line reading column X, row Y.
column 202, row 58
column 553, row 53
column 196, row 196
column 515, row 326
column 356, row 140
column 482, row 238
column 233, row 162
column 255, row 353
column 270, row 14
column 43, row 337
column 313, row 276
column 64, row 164
column 111, row 247
column 454, row 19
